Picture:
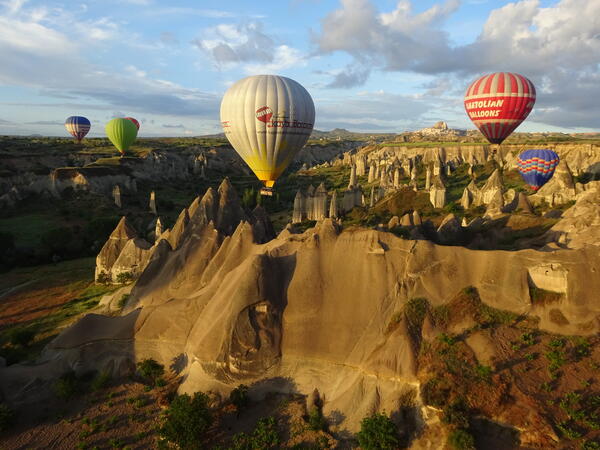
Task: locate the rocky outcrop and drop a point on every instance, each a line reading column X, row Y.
column 450, row 230
column 123, row 252
column 152, row 203
column 560, row 189
column 489, row 190
column 580, row 224
column 317, row 309
column 437, row 193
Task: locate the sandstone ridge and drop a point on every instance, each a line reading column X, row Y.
column 224, row 304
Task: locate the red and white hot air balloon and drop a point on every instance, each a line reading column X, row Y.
column 497, row 103
column 135, row 122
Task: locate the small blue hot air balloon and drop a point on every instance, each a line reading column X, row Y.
column 77, row 126
column 537, row 166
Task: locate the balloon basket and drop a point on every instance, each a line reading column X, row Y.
column 266, row 191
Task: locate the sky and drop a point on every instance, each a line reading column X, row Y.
column 369, row 65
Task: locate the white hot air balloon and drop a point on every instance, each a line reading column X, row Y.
column 267, row 119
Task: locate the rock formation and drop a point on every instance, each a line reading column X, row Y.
column 333, row 208
column 299, row 212
column 437, row 193
column 495, row 205
column 428, row 178
column 579, row 226
column 488, row 191
column 232, row 309
column 449, row 230
column 560, row 189
column 319, row 204
column 116, row 193
column 152, row 203
column 352, row 184
column 122, row 252
column 158, row 229
column 371, row 173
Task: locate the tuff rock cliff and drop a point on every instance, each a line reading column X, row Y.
column 225, row 303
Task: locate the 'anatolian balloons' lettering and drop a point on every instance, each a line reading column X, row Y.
column 267, row 135
column 487, row 113
column 498, row 103
column 485, row 104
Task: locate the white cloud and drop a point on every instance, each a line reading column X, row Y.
column 36, row 53
column 284, row 58
column 230, row 45
column 558, row 47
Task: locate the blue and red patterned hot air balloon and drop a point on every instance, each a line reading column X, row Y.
column 77, row 126
column 537, row 166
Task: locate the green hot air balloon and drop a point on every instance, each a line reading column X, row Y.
column 122, row 133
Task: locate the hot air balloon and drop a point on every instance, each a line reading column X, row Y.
column 122, row 134
column 537, row 166
column 267, row 119
column 135, row 122
column 497, row 104
column 77, row 126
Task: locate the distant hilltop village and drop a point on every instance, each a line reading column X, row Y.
column 439, row 131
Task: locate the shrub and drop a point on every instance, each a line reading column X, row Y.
column 150, row 369
column 100, row 381
column 461, row 440
column 66, row 386
column 316, row 421
column 456, row 414
column 264, row 436
column 103, row 278
column 7, row 417
column 377, row 432
column 187, row 421
column 124, row 277
column 239, row 396
column 122, row 301
column 483, row 373
column 21, row 337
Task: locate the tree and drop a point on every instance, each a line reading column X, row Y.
column 239, row 397
column 150, row 369
column 378, row 432
column 187, row 421
column 461, row 440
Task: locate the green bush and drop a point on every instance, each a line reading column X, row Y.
column 100, row 381
column 124, row 277
column 456, row 414
column 316, row 421
column 461, row 440
column 378, row 432
column 187, row 421
column 150, row 369
column 7, row 417
column 264, row 436
column 122, row 301
column 66, row 386
column 239, row 396
column 21, row 337
column 104, row 278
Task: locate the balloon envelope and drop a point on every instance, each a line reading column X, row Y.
column 267, row 119
column 537, row 166
column 497, row 103
column 122, row 133
column 78, row 126
column 135, row 122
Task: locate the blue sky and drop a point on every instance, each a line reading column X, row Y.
column 369, row 65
